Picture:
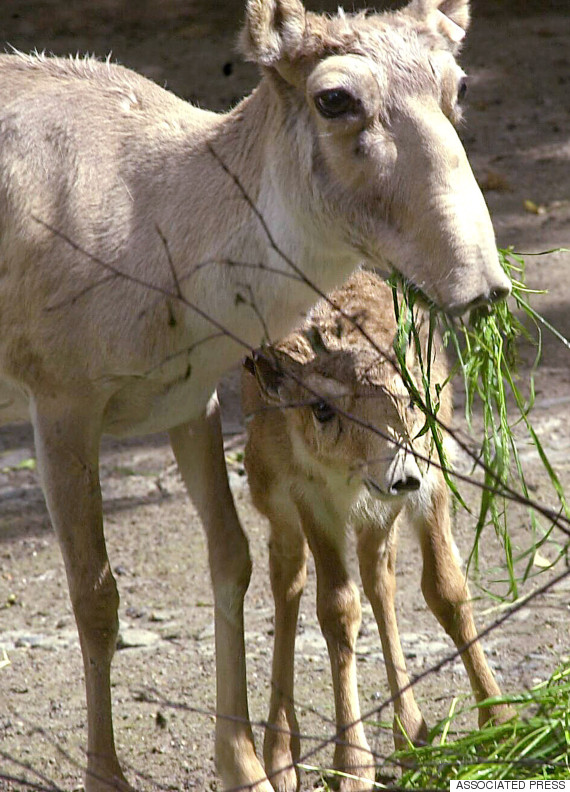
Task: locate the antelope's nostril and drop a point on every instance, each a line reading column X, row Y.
column 498, row 294
column 493, row 295
column 479, row 302
column 407, row 484
column 486, row 300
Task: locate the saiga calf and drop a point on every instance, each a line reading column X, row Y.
column 332, row 441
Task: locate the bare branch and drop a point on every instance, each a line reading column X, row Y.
column 140, row 282
column 170, row 261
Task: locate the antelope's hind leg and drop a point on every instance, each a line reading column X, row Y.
column 67, row 435
column 199, row 451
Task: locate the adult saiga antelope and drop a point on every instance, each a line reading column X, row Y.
column 333, row 440
column 131, row 264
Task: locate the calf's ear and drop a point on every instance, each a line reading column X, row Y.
column 269, row 374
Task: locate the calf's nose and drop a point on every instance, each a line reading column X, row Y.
column 405, row 484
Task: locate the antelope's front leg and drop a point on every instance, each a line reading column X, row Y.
column 288, row 571
column 67, row 445
column 338, row 609
column 377, row 547
column 446, row 592
column 199, row 451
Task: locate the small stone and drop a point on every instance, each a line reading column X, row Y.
column 131, row 638
column 206, row 632
column 28, row 641
column 162, row 616
column 135, row 613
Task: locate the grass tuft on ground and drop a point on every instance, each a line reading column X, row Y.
column 533, row 745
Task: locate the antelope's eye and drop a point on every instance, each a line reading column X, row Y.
column 462, row 89
column 336, row 103
column 323, row 412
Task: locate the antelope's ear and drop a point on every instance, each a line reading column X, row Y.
column 273, row 33
column 449, row 17
column 269, row 374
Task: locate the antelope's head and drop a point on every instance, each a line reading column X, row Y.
column 364, row 146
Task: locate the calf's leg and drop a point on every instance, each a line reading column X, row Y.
column 288, row 573
column 338, row 609
column 377, row 558
column 446, row 592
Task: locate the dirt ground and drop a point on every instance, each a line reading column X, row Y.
column 517, row 133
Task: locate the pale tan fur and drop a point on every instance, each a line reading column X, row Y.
column 313, row 479
column 100, row 169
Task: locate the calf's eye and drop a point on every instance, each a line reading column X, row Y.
column 323, row 412
column 336, row 103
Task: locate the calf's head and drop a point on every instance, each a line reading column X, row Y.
column 364, row 145
column 349, row 420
